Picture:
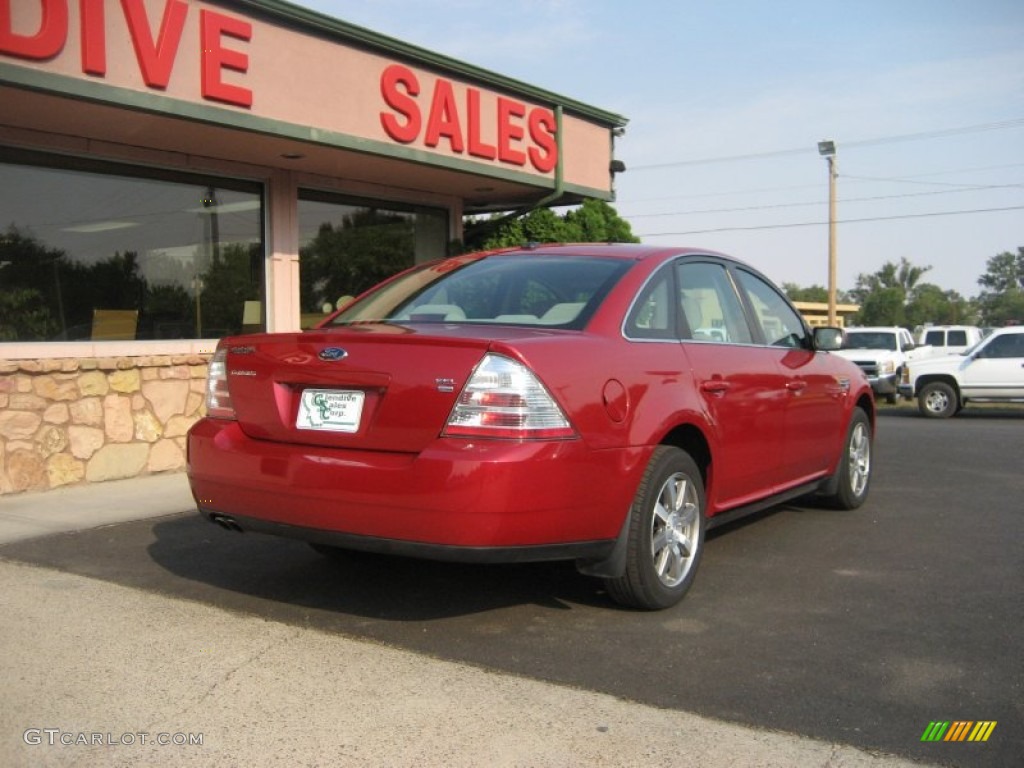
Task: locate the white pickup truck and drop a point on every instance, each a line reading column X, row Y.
column 991, row 371
column 882, row 353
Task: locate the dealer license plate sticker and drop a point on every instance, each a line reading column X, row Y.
column 330, row 410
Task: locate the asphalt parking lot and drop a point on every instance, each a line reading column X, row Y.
column 853, row 627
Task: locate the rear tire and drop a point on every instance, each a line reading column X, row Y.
column 665, row 533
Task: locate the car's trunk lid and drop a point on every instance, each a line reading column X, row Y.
column 372, row 387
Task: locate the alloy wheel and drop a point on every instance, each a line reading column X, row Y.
column 859, row 458
column 675, row 526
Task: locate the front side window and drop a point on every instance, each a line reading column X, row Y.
column 780, row 324
column 104, row 252
column 1008, row 345
column 711, row 310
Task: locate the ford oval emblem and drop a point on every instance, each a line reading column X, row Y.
column 331, row 354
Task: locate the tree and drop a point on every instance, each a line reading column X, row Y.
column 1002, row 297
column 931, row 304
column 595, row 221
column 884, row 295
column 815, row 293
column 903, row 276
column 1004, row 272
column 884, row 306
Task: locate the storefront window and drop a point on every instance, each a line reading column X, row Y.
column 101, row 252
column 347, row 246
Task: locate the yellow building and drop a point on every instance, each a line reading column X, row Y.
column 816, row 312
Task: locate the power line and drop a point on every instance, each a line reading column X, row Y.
column 720, row 194
column 1000, row 125
column 975, row 169
column 907, row 179
column 774, row 206
column 825, row 223
column 912, row 180
column 723, row 159
column 1016, row 123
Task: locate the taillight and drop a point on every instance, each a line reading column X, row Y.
column 503, row 398
column 218, row 398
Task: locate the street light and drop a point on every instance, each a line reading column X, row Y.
column 827, row 149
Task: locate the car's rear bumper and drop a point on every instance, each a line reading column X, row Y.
column 458, row 495
column 573, row 550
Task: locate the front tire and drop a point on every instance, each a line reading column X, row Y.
column 938, row 400
column 666, row 533
column 853, row 475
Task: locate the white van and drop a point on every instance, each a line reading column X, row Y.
column 949, row 339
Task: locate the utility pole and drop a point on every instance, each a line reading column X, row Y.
column 827, row 149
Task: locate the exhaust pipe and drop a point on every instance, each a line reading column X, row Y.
column 225, row 522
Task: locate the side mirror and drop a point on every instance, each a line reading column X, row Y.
column 828, row 339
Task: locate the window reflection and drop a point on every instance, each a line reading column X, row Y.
column 97, row 252
column 349, row 246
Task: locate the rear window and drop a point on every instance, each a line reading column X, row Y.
column 943, row 338
column 549, row 291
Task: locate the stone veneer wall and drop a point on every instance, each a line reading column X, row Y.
column 68, row 421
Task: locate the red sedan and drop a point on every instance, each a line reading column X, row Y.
column 600, row 403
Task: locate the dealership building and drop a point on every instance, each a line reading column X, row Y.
column 174, row 171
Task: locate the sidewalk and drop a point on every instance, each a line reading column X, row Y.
column 79, row 507
column 85, row 661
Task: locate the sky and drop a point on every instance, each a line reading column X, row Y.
column 728, row 99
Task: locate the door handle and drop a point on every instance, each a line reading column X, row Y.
column 796, row 385
column 714, row 386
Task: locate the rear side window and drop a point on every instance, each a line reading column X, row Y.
column 935, row 338
column 652, row 315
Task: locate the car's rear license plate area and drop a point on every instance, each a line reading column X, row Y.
column 330, row 410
